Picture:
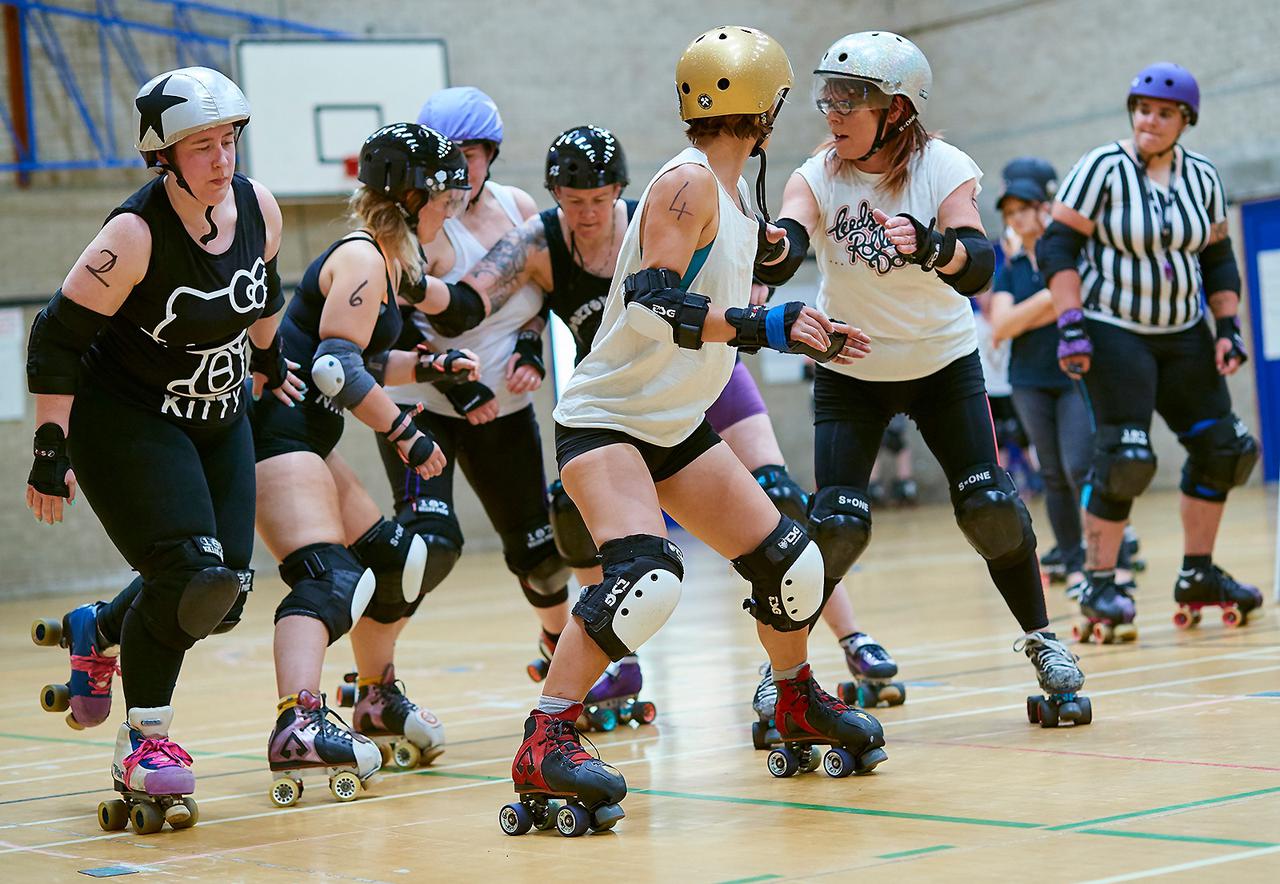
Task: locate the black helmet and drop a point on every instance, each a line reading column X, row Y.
column 403, row 157
column 585, row 157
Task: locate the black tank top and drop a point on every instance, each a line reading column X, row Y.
column 576, row 296
column 178, row 344
column 300, row 328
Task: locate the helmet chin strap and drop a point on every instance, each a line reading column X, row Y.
column 757, row 150
column 883, row 137
column 169, row 169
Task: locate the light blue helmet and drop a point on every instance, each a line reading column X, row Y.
column 463, row 114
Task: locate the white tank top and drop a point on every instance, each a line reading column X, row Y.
column 493, row 340
column 917, row 323
column 653, row 390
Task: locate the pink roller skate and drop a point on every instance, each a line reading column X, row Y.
column 407, row 734
column 93, row 665
column 308, row 734
column 153, row 776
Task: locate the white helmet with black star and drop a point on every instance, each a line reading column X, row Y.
column 179, row 103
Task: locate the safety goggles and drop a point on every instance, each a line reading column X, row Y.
column 844, row 95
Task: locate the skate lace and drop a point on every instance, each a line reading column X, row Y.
column 766, row 690
column 568, row 742
column 875, row 653
column 1050, row 655
column 157, row 752
column 320, row 718
column 99, row 669
column 393, row 698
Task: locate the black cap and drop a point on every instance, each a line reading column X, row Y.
column 1024, row 189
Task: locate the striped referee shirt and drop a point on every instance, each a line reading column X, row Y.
column 1141, row 268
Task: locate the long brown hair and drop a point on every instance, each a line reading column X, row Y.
column 901, row 151
column 374, row 212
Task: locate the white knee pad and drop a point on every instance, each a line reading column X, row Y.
column 415, row 565
column 641, row 587
column 788, row 586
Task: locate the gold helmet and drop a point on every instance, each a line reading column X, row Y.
column 732, row 70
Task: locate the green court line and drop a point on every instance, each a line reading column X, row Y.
column 917, row 852
column 752, row 880
column 1193, row 839
column 1166, row 809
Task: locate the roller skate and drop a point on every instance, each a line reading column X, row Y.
column 305, row 737
column 1058, row 672
column 88, row 692
column 1107, row 612
column 764, row 731
column 808, row 717
column 1129, row 548
column 153, row 776
column 875, row 493
column 1197, row 588
column 551, row 763
column 407, row 734
column 546, row 647
column 905, row 492
column 612, row 700
column 873, row 669
column 1054, row 566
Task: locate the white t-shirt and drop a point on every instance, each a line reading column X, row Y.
column 653, row 390
column 917, row 323
column 995, row 360
column 493, row 340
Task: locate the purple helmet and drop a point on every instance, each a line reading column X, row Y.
column 462, row 114
column 1170, row 82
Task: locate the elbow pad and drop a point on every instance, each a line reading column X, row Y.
column 60, row 334
column 275, row 292
column 466, row 310
column 1218, row 268
column 659, row 308
column 339, row 372
column 976, row 274
column 797, row 246
column 1058, row 249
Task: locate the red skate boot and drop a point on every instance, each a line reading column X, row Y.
column 807, row 716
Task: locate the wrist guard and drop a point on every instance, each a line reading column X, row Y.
column 49, row 470
column 1228, row 329
column 269, row 362
column 529, row 351
column 933, row 249
column 1073, row 338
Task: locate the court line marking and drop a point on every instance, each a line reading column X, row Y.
column 1194, row 839
column 1184, row 867
column 917, row 852
column 1204, row 802
column 753, row 880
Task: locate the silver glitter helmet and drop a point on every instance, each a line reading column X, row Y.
column 865, row 70
column 179, row 103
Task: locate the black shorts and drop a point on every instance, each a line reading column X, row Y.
column 663, row 463
column 311, row 425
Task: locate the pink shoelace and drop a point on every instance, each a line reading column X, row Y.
column 100, row 670
column 156, row 752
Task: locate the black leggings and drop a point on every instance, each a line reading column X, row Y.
column 950, row 408
column 502, row 461
column 151, row 482
column 1057, row 420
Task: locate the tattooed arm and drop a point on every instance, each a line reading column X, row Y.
column 520, row 257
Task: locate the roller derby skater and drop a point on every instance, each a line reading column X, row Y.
column 873, row 671
column 153, row 776
column 614, row 699
column 807, row 717
column 409, row 735
column 1132, row 323
column 139, row 366
column 308, row 736
column 1209, row 586
column 633, row 439
column 1106, row 610
column 88, row 692
column 904, row 275
column 1060, row 679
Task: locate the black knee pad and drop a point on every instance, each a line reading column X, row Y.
column 547, row 585
column 788, row 586
column 328, row 583
column 1123, row 462
column 442, row 555
column 231, row 619
column 1219, row 457
column 641, row 587
column 186, row 590
column 840, row 524
column 786, row 495
column 531, row 555
column 992, row 517
column 398, row 560
column 573, row 540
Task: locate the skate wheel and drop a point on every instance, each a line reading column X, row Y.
column 644, row 712
column 894, row 693
column 285, row 792
column 1048, row 713
column 515, row 819
column 573, row 820
column 537, row 670
column 345, row 786
column 1102, row 633
column 46, row 633
column 346, row 695
column 188, row 820
column 72, row 723
column 406, row 755
column 1080, row 632
column 838, row 763
column 1231, row 618
column 1086, row 710
column 868, row 696
column 603, row 719
column 1033, row 709
column 848, row 692
column 55, row 698
column 385, row 751
column 147, row 819
column 605, row 818
column 1069, row 711
column 759, row 732
column 1182, row 618
column 868, row 761
column 1125, row 632
column 113, row 815
column 782, row 763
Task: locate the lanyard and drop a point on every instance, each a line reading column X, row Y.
column 1163, row 201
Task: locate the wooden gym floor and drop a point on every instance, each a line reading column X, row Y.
column 1178, row 776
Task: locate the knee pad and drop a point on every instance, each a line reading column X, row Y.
column 531, row 555
column 398, row 559
column 640, row 589
column 186, row 590
column 231, row 619
column 328, row 583
column 991, row 515
column 442, row 555
column 788, row 588
column 786, row 495
column 573, row 540
column 1123, row 462
column 840, row 524
column 1220, row 456
column 547, row 584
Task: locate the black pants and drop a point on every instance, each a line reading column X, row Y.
column 1057, row 420
column 502, row 461
column 950, row 408
column 149, row 482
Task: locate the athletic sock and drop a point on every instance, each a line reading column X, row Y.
column 788, row 674
column 553, row 705
column 1196, row 563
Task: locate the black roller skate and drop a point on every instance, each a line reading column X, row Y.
column 1107, row 612
column 904, row 492
column 1058, row 672
column 808, row 717
column 1053, row 566
column 874, row 670
column 1129, row 548
column 764, row 733
column 551, row 763
column 612, row 700
column 537, row 670
column 1197, row 588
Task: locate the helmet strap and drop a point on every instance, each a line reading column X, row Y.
column 760, row 194
column 884, row 135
